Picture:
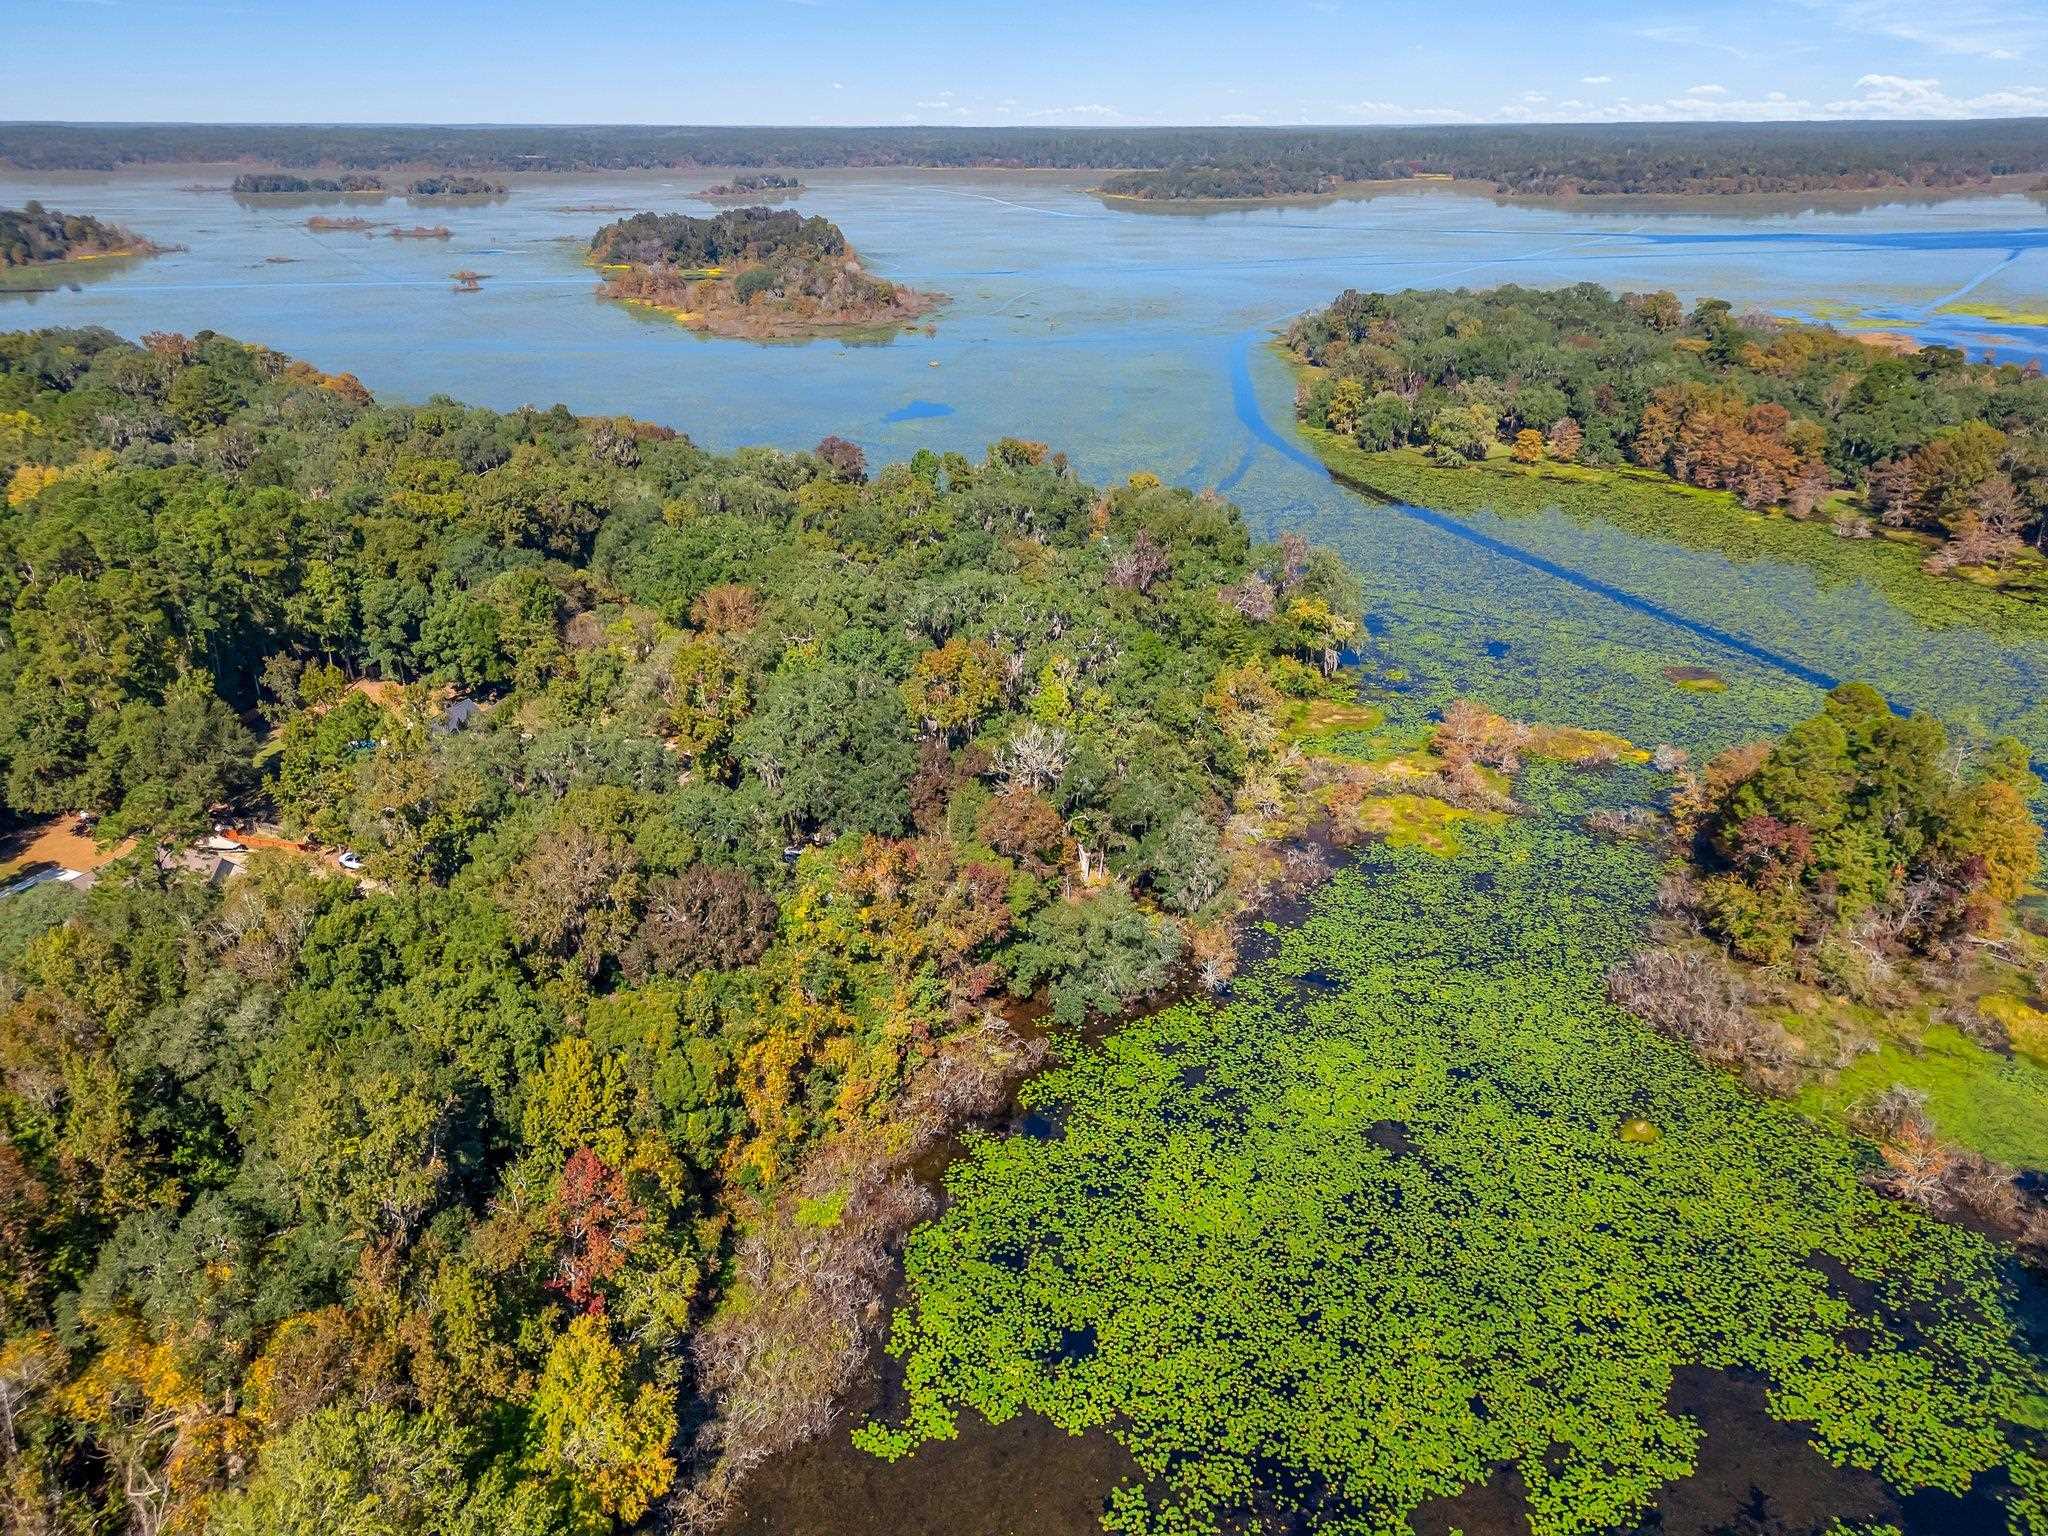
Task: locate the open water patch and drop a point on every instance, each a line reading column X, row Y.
column 2032, row 238
column 919, row 410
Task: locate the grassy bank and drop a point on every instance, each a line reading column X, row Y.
column 1653, row 505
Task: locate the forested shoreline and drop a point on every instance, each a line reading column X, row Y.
column 32, row 235
column 1176, row 163
column 1855, row 434
column 447, row 1183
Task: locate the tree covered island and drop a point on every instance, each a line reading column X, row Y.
column 753, row 184
column 1578, row 396
column 1205, row 183
column 750, row 272
column 33, row 235
column 286, row 184
column 454, row 186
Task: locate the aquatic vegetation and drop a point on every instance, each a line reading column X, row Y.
column 1779, row 609
column 1713, row 522
column 1420, row 821
column 1356, row 1237
column 2001, row 314
column 1696, row 679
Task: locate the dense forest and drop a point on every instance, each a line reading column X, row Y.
column 1857, row 817
column 454, row 186
column 750, row 272
column 1586, row 158
column 723, row 239
column 436, row 1189
column 33, row 233
column 1781, row 414
column 280, row 184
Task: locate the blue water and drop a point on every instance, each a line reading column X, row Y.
column 919, row 410
column 1133, row 341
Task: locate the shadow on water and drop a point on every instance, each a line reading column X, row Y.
column 1756, row 1477
column 919, row 410
column 1026, row 1478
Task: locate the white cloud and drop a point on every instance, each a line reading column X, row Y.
column 1874, row 96
column 1596, row 79
column 1900, row 96
column 1686, row 35
column 1972, row 27
column 1241, row 118
column 1394, row 112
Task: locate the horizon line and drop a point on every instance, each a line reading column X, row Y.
column 1015, row 127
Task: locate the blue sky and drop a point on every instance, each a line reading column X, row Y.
column 1109, row 62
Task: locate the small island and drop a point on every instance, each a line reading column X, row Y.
column 750, row 272
column 281, row 184
column 454, row 186
column 33, row 236
column 1221, row 184
column 754, row 185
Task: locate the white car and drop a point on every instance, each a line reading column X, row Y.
column 350, row 860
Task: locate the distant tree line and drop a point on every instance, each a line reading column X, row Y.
column 1781, row 414
column 33, row 233
column 1588, row 158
